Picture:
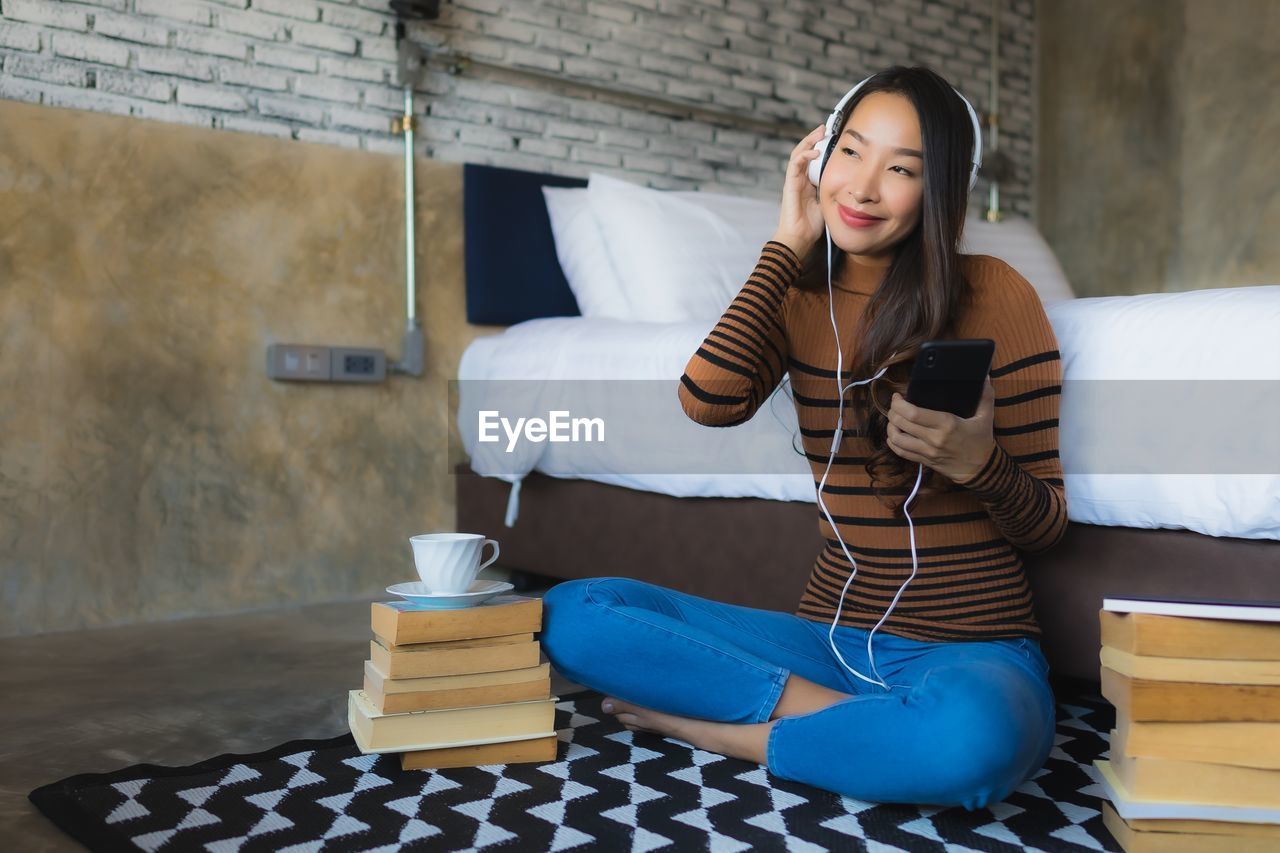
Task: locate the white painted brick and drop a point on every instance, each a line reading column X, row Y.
column 635, row 37
column 19, row 37
column 211, row 43
column 646, row 163
column 370, row 122
column 592, row 28
column 253, row 76
column 290, row 109
column 693, row 130
column 358, row 19
column 562, row 42
column 536, row 59
column 117, row 5
column 354, row 69
column 611, row 13
column 706, row 35
column 590, row 69
column 303, row 10
column 166, row 62
column 235, row 4
column 544, row 148
column 483, row 91
column 178, row 10
column 594, row 112
column 17, row 89
column 252, row 24
column 257, row 126
column 129, row 28
column 460, row 111
column 49, row 14
column 194, row 95
column 326, row 89
column 324, row 38
column 89, row 99
column 616, row 138
column 90, row 49
column 329, row 137
column 437, row 130
column 715, row 154
column 633, row 120
column 532, row 13
column 518, row 121
column 627, row 57
column 485, row 137
column 596, row 156
column 698, row 92
column 381, row 49
column 51, row 71
column 539, row 102
column 133, row 85
column 490, row 7
column 566, row 130
column 692, row 169
column 284, row 58
column 506, row 30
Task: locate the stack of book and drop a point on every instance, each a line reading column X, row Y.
column 1195, row 754
column 456, row 688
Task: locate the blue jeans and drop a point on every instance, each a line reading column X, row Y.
column 963, row 723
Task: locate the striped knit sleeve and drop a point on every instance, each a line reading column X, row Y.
column 744, row 356
column 1021, row 484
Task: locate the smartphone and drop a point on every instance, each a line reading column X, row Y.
column 948, row 376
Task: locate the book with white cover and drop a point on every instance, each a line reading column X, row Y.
column 1130, row 808
column 1205, row 608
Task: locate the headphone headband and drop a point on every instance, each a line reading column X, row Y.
column 833, row 126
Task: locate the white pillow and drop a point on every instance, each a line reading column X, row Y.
column 680, row 256
column 1167, row 417
column 581, row 251
column 1017, row 242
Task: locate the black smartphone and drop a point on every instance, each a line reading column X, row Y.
column 948, row 376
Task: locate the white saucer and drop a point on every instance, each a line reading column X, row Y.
column 419, row 594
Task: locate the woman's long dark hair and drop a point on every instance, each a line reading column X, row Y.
column 923, row 287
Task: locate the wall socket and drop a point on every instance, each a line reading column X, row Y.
column 306, row 363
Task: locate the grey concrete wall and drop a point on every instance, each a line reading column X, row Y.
column 1158, row 164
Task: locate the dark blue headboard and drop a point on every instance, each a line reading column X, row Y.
column 511, row 265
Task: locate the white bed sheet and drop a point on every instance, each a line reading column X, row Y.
column 1212, row 334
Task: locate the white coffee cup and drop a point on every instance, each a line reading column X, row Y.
column 449, row 562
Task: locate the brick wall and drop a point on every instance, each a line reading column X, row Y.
column 325, row 71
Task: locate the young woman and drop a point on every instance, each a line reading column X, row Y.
column 911, row 670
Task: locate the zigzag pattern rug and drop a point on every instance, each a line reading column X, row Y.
column 610, row 789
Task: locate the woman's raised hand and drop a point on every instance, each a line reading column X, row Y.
column 800, row 221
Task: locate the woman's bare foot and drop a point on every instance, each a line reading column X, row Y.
column 748, row 741
column 639, row 718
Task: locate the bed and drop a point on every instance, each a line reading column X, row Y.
column 733, row 518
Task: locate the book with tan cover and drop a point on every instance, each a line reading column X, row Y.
column 1130, row 807
column 391, row 695
column 455, row 660
column 1191, row 669
column 375, row 732
column 1187, row 637
column 403, row 622
column 1238, row 744
column 510, row 752
column 1189, row 701
column 1193, row 781
column 1188, row 836
column 469, row 643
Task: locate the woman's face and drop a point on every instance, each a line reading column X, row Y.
column 876, row 169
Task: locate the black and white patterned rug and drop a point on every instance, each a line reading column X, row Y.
column 610, row 789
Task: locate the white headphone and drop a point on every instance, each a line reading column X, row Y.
column 827, row 144
column 816, row 165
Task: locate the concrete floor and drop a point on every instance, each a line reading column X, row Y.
column 171, row 693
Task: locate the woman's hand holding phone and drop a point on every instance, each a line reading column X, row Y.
column 800, row 220
column 956, row 448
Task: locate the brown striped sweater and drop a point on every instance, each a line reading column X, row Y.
column 970, row 584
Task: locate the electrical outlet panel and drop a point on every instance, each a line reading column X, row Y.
column 305, row 363
column 350, row 364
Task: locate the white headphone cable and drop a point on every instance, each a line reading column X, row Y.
column 836, row 438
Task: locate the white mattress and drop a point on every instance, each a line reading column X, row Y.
column 625, row 373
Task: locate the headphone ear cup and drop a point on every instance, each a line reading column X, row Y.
column 815, row 165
